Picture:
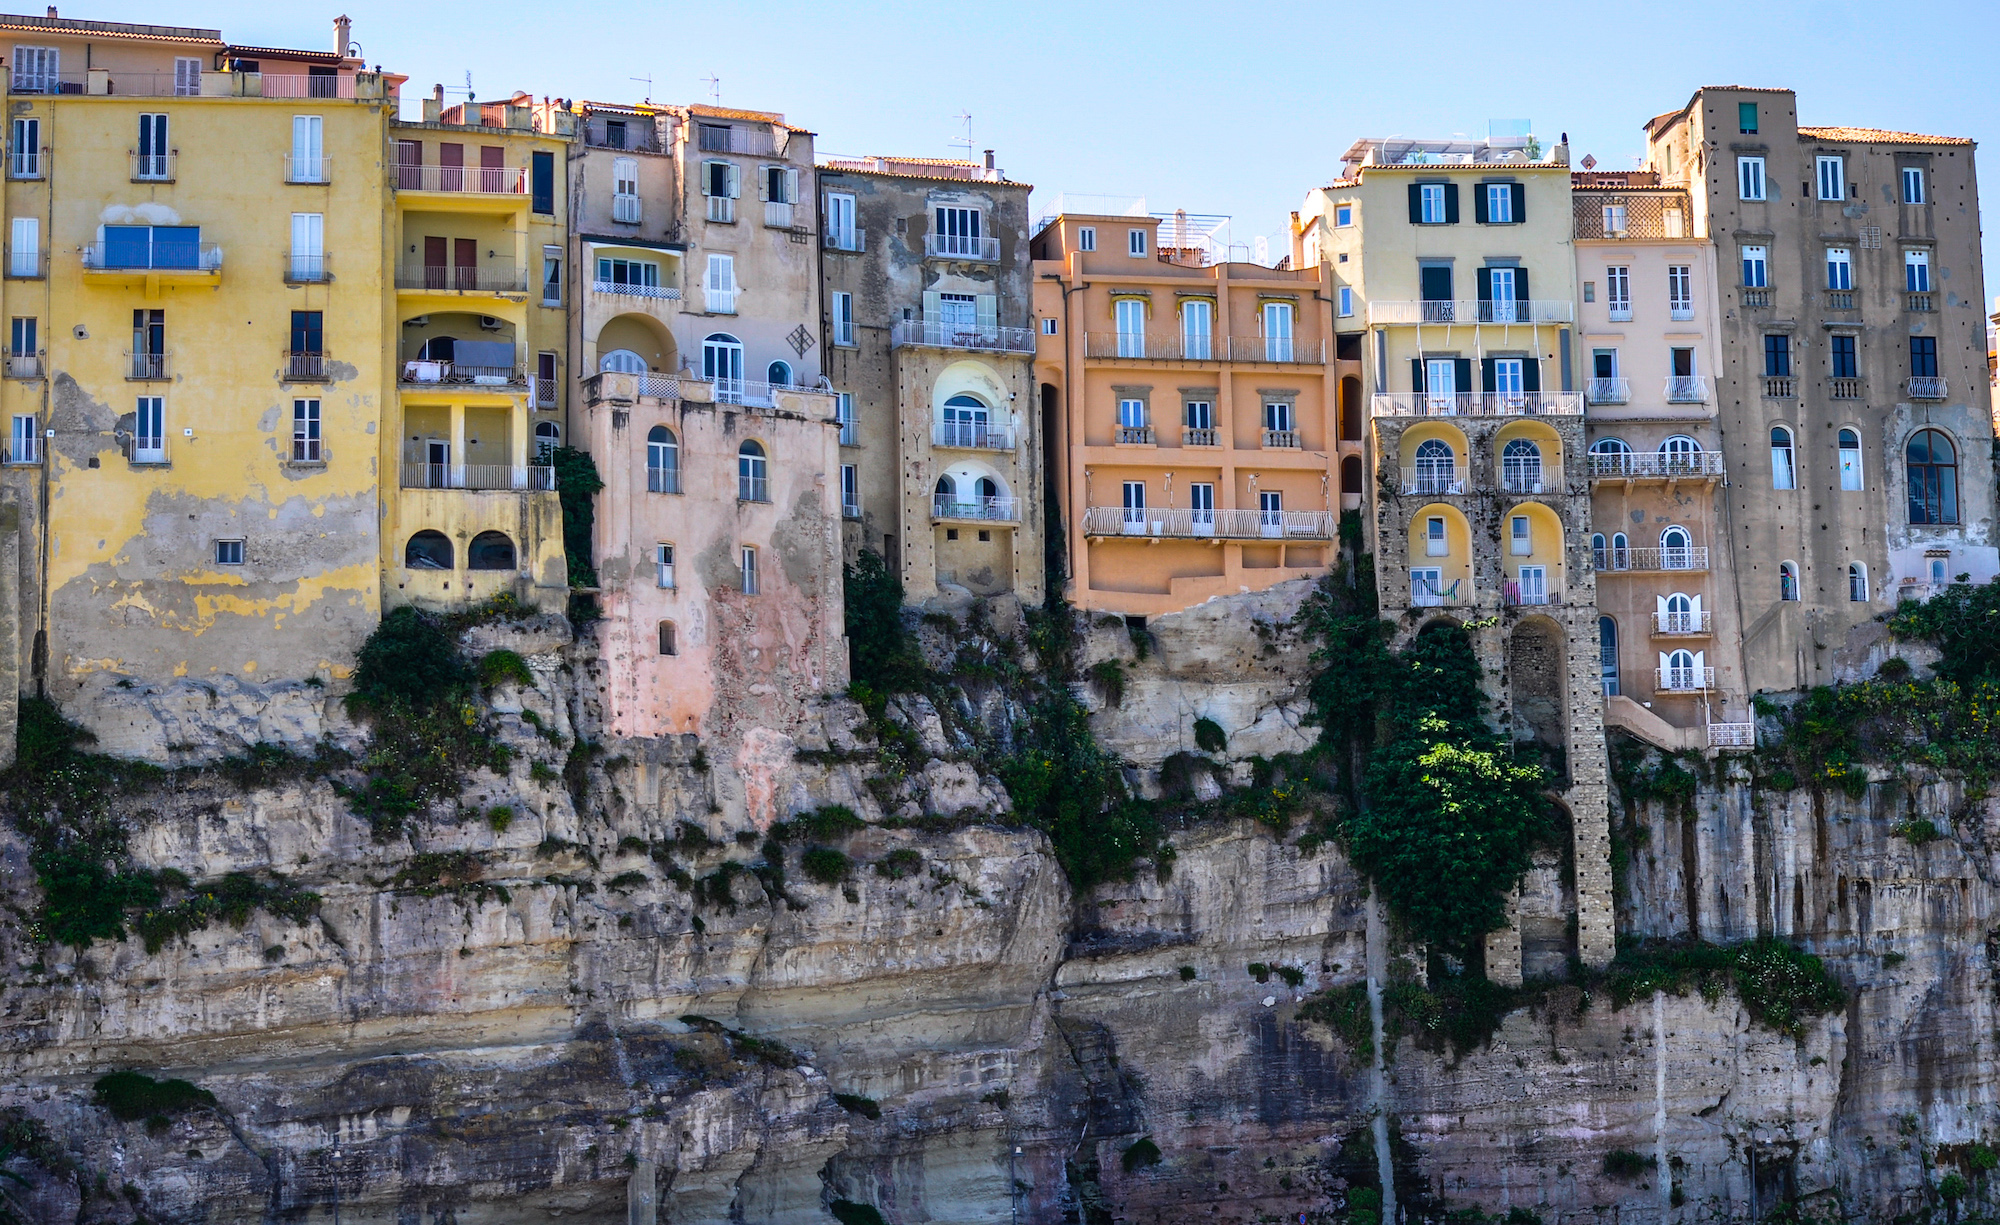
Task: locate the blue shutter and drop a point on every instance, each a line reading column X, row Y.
column 127, row 246
column 1451, row 204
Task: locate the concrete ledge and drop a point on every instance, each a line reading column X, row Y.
column 1622, row 712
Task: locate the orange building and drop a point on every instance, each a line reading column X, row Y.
column 1192, row 410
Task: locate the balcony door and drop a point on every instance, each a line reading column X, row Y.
column 1134, row 518
column 1201, row 500
column 1130, row 316
column 465, row 263
column 437, row 463
column 1441, row 383
column 1426, row 586
column 436, row 258
column 1534, row 584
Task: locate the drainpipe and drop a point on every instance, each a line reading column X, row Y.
column 1069, row 563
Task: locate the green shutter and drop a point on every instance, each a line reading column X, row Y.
column 1417, row 375
column 933, row 305
column 1521, row 285
column 1531, row 373
column 1488, row 381
column 1485, row 285
column 1479, row 204
column 1520, row 193
column 1462, row 374
column 1416, row 204
column 1451, row 204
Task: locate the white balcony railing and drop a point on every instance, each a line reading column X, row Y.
column 1687, row 389
column 627, row 209
column 1608, row 391
column 154, row 167
column 445, row 279
column 1926, row 388
column 1649, row 559
column 1477, row 404
column 724, row 138
column 463, row 180
column 1438, row 480
column 1180, row 522
column 1514, row 596
column 302, row 169
column 747, row 392
column 752, row 488
column 1732, row 735
column 1684, row 680
column 425, row 370
column 27, row 263
column 722, row 208
column 1444, row 310
column 24, row 365
column 995, row 510
column 1433, row 593
column 1281, row 349
column 947, row 335
column 969, row 436
column 663, row 480
column 1679, row 624
column 1655, row 465
column 664, row 293
column 961, row 246
column 778, row 214
column 308, row 267
column 422, row 475
column 1531, row 478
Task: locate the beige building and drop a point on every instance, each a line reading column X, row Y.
column 1646, row 334
column 1854, row 408
column 930, row 349
column 1192, row 400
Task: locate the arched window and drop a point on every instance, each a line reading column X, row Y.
column 1597, row 557
column 965, row 422
column 722, row 364
column 752, row 473
column 1784, row 475
column 1679, row 454
column 988, row 492
column 1857, row 583
column 1680, row 671
column 778, row 374
column 1933, row 464
column 1621, row 552
column 548, row 436
column 663, row 461
column 1676, row 549
column 1351, row 476
column 1788, row 581
column 668, row 646
column 1850, row 461
column 622, row 361
column 1436, row 468
column 490, row 551
column 1607, row 654
column 428, row 550
column 1521, row 466
column 1610, row 457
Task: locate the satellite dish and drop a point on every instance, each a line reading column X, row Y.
column 1589, row 162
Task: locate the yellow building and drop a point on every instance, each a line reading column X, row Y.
column 196, row 371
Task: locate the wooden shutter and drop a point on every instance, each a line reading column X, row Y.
column 1488, row 379
column 1520, row 193
column 1451, row 204
column 933, row 306
column 986, row 308
column 1462, row 374
column 1486, row 288
column 1435, row 282
column 792, row 185
column 1479, row 213
column 1416, row 204
column 1417, row 374
column 1531, row 373
column 1520, row 284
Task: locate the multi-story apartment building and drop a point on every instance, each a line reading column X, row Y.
column 196, row 367
column 1646, row 332
column 1458, row 256
column 701, row 399
column 930, row 351
column 1191, row 410
column 479, row 226
column 1854, row 410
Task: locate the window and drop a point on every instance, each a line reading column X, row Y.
column 428, row 550
column 1755, row 267
column 1500, row 203
column 1777, row 356
column 625, row 207
column 1913, row 185
column 24, row 249
column 1437, row 467
column 1614, row 219
column 25, row 161
column 1521, row 466
column 552, row 276
column 1197, row 328
column 25, row 443
column 850, row 491
column 663, row 461
column 1201, row 502
column 305, row 431
column 663, row 566
column 1680, row 291
column 1436, row 543
column 1135, row 243
column 1676, row 549
column 1607, row 654
column 1427, row 586
column 1832, row 177
column 843, row 318
column 1131, row 414
column 548, row 436
column 1498, row 294
column 37, row 70
column 1346, row 301
column 542, row 182
column 1129, row 316
column 1604, row 363
column 667, row 644
column 1857, row 583
column 749, row 564
column 308, row 164
column 1679, row 453
column 721, row 179
column 1086, row 238
column 1788, row 581
column 1923, row 357
column 621, row 361
column 843, row 412
column 308, row 262
column 229, row 552
column 1049, row 326
column 722, row 284
column 1277, row 331
column 152, row 160
column 1433, row 203
column 1933, row 473
column 1270, row 513
column 22, row 341
column 840, row 232
column 1840, row 348
column 1509, row 381
column 1200, row 414
column 491, row 551
column 752, row 473
column 1750, row 178
column 149, row 435
column 778, row 374
column 1839, row 268
column 1520, row 536
column 1783, row 475
column 1746, row 118
column 1618, row 291
column 614, row 271
column 1134, row 506
column 957, row 231
column 781, row 185
column 1278, row 417
column 1917, row 271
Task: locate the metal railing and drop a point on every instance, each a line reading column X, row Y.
column 1661, row 465
column 1672, row 624
column 295, row 85
column 1477, row 404
column 1531, row 478
column 1660, row 212
column 843, row 333
column 636, row 134
column 308, row 267
column 752, row 488
column 1843, row 389
column 1280, row 349
column 305, row 367
column 1512, row 596
column 1687, row 389
column 1169, row 347
column 24, row 449
column 997, row 510
column 1436, row 480
column 1650, row 559
column 30, row 265
column 1608, row 391
column 1281, row 440
column 1428, row 593
column 849, row 510
column 1447, row 310
column 520, row 477
column 302, row 169
column 306, row 450
column 1921, row 303
column 1620, row 312
column 718, row 138
column 961, row 336
column 1926, row 387
column 847, row 240
column 24, row 365
column 1732, row 735
column 961, row 246
column 1133, row 435
column 663, row 480
column 778, row 214
column 722, row 208
column 850, row 434
column 171, row 257
column 748, row 392
column 425, row 371
column 443, row 279
column 664, row 293
column 1199, row 436
column 1683, row 680
column 1180, row 522
column 144, row 367
column 147, row 452
column 1780, row 387
column 464, row 180
column 154, row 167
column 27, row 163
column 627, row 209
column 968, row 436
column 1680, row 314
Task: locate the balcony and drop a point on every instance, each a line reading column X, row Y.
column 418, row 474
column 1607, row 391
column 722, row 209
column 619, row 388
column 1478, row 404
column 1433, row 593
column 27, row 265
column 1655, row 465
column 308, row 268
column 1133, row 436
column 1682, row 624
column 1680, row 313
column 948, row 335
column 849, row 509
column 307, row 170
column 147, row 367
column 306, row 450
column 1278, row 349
column 1281, row 440
column 963, row 435
column 636, row 134
column 847, row 240
column 723, row 138
column 1183, row 523
column 1693, row 558
column 155, row 262
column 1780, row 387
column 660, row 293
column 1921, row 303
column 24, row 449
column 1173, row 347
column 463, row 180
column 1502, row 311
column 1512, row 596
column 1199, row 436
column 1732, row 735
column 1631, row 210
column 1756, row 299
column 154, row 167
column 305, row 367
column 546, row 395
column 436, row 278
column 28, row 163
column 1434, row 481
column 147, row 452
column 749, row 393
column 961, row 246
column 25, row 366
column 778, row 214
column 1619, row 312
column 1840, row 300
column 427, row 373
column 209, row 84
column 1538, row 478
column 1683, row 680
column 1925, row 387
column 984, row 510
column 1843, row 389
column 1687, row 389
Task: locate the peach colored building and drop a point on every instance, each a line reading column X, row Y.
column 1190, row 403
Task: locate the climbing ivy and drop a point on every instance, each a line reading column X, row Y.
column 577, row 482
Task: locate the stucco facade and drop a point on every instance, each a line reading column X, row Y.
column 929, row 344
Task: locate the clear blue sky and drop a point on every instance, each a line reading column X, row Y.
column 1233, row 108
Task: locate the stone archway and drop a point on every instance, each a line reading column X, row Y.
column 1535, row 689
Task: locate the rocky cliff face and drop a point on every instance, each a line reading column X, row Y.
column 578, row 1010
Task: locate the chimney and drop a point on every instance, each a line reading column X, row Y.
column 52, row 12
column 342, row 28
column 989, row 159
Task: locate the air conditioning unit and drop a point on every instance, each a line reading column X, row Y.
column 488, row 323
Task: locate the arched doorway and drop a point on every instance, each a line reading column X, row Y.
column 1350, row 409
column 1535, row 668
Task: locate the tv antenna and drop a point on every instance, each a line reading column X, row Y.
column 964, row 117
column 714, row 88
column 648, row 82
column 467, row 90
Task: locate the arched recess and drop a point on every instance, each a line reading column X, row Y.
column 1531, row 547
column 1351, row 416
column 490, row 551
column 641, row 334
column 1536, row 688
column 1425, row 431
column 1440, row 557
column 1352, row 477
column 1516, row 477
column 429, row 550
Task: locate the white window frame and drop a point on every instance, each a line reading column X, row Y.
column 1131, row 414
column 663, row 566
column 1830, row 175
column 1431, row 208
column 229, row 551
column 1278, row 321
column 625, row 206
column 1135, row 243
column 1197, row 329
column 1614, row 219
column 1346, row 301
column 1839, row 269
column 1756, row 265
column 1499, row 203
column 36, row 70
column 1750, row 178
column 306, row 438
column 850, row 491
column 841, row 214
column 843, row 412
column 1680, row 291
column 721, row 288
column 1049, row 326
column 1437, row 537
column 1618, row 291
column 1784, row 459
column 842, row 309
column 1913, row 185
column 1850, row 460
column 1857, row 582
column 308, row 163
column 1521, row 536
column 1916, row 270
column 551, row 276
column 747, row 562
column 1086, row 238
